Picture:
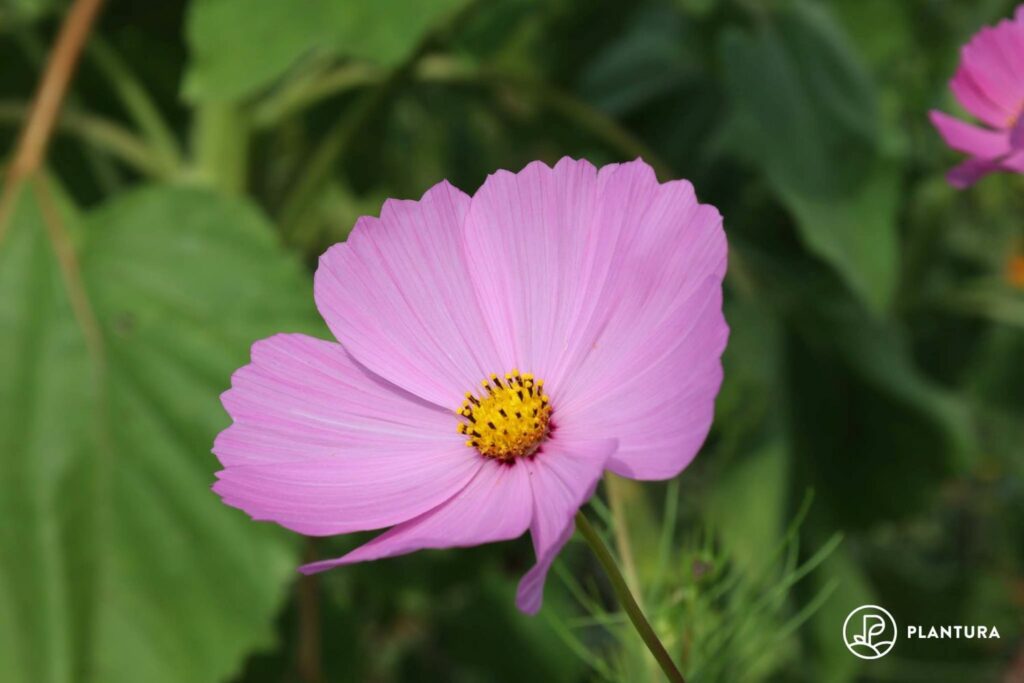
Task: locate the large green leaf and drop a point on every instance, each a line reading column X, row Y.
column 241, row 46
column 807, row 116
column 117, row 563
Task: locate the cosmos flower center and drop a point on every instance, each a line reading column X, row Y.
column 509, row 419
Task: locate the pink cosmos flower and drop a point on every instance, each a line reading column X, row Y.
column 495, row 355
column 990, row 85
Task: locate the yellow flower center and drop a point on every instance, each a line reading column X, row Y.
column 509, row 419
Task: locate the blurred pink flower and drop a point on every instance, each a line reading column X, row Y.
column 989, row 83
column 602, row 286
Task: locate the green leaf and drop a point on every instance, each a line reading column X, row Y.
column 47, row 399
column 383, row 32
column 855, row 233
column 117, row 563
column 239, row 47
column 807, row 116
column 651, row 58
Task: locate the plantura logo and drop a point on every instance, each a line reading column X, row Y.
column 869, row 632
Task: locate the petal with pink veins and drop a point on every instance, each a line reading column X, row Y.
column 652, row 370
column 495, row 506
column 538, row 254
column 659, row 400
column 354, row 492
column 321, row 446
column 563, row 477
column 398, row 295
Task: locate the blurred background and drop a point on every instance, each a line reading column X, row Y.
column 869, row 439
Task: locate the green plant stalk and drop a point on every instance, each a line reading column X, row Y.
column 622, row 592
column 621, row 494
column 220, row 140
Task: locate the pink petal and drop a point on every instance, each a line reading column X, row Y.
column 351, row 492
column 1014, row 162
column 563, row 476
column 651, row 374
column 975, row 100
column 992, row 69
column 969, row 172
column 321, row 446
column 969, row 139
column 495, row 506
column 1010, row 39
column 538, row 253
column 303, row 398
column 397, row 294
column 993, row 63
column 990, row 79
column 659, row 399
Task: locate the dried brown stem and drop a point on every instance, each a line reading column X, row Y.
column 35, row 136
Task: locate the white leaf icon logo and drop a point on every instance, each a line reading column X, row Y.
column 874, row 625
column 870, row 632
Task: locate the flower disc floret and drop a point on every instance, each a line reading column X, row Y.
column 509, row 420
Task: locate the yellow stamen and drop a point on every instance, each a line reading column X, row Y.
column 510, row 418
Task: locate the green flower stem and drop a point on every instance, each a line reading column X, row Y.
column 622, row 592
column 220, row 146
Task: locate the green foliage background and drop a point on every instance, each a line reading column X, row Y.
column 869, row 438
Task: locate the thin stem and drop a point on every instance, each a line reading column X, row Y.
column 636, row 615
column 34, row 137
column 624, row 494
column 618, row 498
column 31, row 149
column 101, row 133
